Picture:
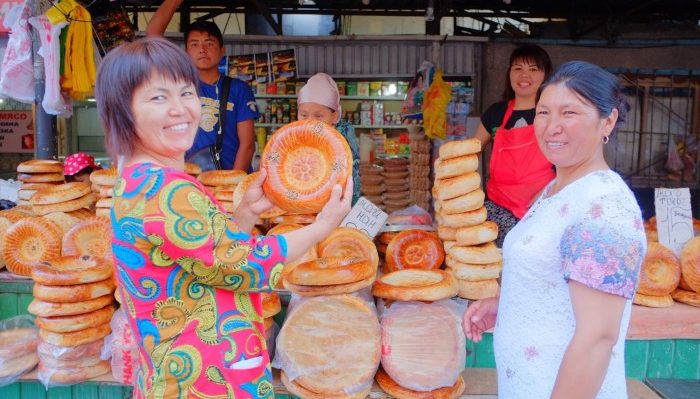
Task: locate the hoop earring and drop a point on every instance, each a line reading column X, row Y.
column 605, row 139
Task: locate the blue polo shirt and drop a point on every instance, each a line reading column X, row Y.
column 241, row 107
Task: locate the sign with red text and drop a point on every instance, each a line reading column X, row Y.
column 674, row 217
column 16, row 131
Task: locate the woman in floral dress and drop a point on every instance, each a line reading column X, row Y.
column 571, row 264
column 190, row 275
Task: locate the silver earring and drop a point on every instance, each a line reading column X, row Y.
column 605, row 139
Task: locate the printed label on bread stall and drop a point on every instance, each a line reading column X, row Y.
column 674, row 217
column 365, row 216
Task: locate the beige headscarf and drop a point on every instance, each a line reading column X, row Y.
column 321, row 89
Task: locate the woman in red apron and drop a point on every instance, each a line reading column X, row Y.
column 517, row 168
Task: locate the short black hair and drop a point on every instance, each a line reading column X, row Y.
column 205, row 26
column 532, row 53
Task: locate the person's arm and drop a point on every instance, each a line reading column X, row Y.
column 482, row 135
column 246, row 145
column 585, row 363
column 161, row 18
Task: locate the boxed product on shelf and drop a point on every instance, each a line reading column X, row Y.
column 351, row 89
column 375, row 88
column 377, row 113
column 363, row 88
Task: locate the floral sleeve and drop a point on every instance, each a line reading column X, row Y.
column 188, row 229
column 604, row 249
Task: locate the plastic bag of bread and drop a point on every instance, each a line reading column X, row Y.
column 329, row 345
column 67, row 365
column 408, row 218
column 121, row 346
column 18, row 341
column 423, row 345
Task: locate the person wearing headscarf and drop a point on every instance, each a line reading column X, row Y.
column 319, row 100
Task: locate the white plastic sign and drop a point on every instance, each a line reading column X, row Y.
column 674, row 217
column 365, row 216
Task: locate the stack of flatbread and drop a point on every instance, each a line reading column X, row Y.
column 395, row 178
column 420, row 171
column 222, row 184
column 468, row 238
column 103, row 185
column 17, row 352
column 36, row 174
column 74, row 303
column 371, row 183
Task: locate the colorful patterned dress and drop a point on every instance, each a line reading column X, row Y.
column 591, row 232
column 190, row 283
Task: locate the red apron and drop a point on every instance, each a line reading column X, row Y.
column 517, row 170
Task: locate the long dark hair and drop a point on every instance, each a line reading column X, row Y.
column 593, row 84
column 531, row 53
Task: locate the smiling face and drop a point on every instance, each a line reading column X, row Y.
column 204, row 50
column 166, row 116
column 525, row 77
column 316, row 112
column 570, row 130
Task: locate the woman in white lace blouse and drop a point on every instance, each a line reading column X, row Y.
column 571, row 264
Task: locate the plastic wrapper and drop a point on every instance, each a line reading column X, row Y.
column 67, row 365
column 17, row 71
column 329, row 345
column 412, row 217
column 121, row 346
column 18, row 341
column 423, row 344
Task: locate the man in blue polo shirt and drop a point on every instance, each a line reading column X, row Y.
column 205, row 46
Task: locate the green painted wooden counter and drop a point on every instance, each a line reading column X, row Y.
column 644, row 358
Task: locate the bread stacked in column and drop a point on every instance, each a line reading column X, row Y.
column 329, row 345
column 420, row 171
column 372, row 183
column 103, row 185
column 397, row 194
column 688, row 290
column 36, row 174
column 74, row 303
column 423, row 346
column 223, row 183
column 472, row 257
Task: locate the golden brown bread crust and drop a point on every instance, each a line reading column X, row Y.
column 331, row 271
column 690, row 264
column 414, row 249
column 221, row 177
column 89, row 237
column 396, row 391
column 688, row 297
column 459, row 148
column 72, row 270
column 660, row 272
column 83, row 202
column 321, row 352
column 454, row 187
column 469, row 272
column 271, row 304
column 476, row 254
column 66, row 324
column 464, row 219
column 653, row 301
column 304, row 160
column 76, row 338
column 324, row 290
column 60, row 193
column 48, row 309
column 475, row 290
column 349, row 241
column 416, row 285
column 453, row 167
column 104, row 177
column 73, row 293
column 40, row 177
column 464, row 203
column 28, row 241
column 475, row 235
column 297, row 390
column 40, row 166
column 447, row 233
